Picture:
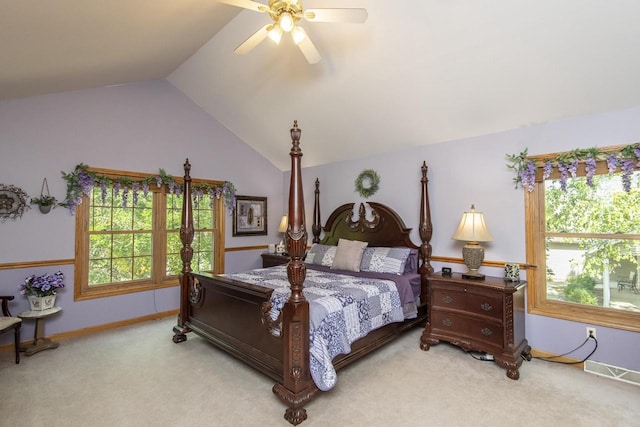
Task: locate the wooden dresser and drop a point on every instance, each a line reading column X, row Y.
column 271, row 260
column 479, row 315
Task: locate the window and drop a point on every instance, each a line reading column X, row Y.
column 126, row 245
column 583, row 236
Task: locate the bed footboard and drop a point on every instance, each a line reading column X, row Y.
column 233, row 316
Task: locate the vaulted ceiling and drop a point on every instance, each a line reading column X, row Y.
column 416, row 72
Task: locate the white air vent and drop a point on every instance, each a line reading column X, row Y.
column 620, row 374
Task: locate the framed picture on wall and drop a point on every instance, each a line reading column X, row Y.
column 250, row 216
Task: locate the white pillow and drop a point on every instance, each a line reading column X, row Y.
column 348, row 255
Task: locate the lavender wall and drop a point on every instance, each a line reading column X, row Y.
column 138, row 127
column 151, row 125
column 473, row 171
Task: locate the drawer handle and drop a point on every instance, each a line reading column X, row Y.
column 486, row 332
column 447, row 299
column 447, row 322
column 486, row 306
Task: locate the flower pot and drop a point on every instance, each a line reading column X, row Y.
column 44, row 208
column 42, row 303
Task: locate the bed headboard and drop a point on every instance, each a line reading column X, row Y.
column 381, row 226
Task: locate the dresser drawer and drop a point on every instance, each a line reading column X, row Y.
column 454, row 325
column 463, row 299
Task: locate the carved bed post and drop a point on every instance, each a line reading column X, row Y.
column 316, row 228
column 297, row 387
column 426, row 228
column 186, row 253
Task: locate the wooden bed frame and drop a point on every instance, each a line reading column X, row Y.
column 234, row 315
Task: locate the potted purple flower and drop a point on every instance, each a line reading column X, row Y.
column 42, row 290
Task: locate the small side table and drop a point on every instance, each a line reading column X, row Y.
column 39, row 342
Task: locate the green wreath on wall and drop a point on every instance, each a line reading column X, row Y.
column 367, row 183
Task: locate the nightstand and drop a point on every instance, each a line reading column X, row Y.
column 479, row 315
column 271, row 260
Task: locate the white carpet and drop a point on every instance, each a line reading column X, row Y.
column 136, row 376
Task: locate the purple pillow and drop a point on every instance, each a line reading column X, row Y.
column 411, row 266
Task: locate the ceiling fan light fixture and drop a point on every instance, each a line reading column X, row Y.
column 286, row 22
column 285, row 15
column 298, row 35
column 276, row 34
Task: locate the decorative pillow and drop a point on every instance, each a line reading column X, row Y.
column 321, row 254
column 385, row 260
column 349, row 255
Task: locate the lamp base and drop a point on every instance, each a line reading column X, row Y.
column 473, row 254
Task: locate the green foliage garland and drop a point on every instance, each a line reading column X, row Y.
column 367, row 176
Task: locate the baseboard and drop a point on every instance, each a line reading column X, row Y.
column 564, row 359
column 614, row 372
column 596, row 368
column 100, row 328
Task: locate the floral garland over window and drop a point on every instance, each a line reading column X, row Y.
column 626, row 158
column 82, row 181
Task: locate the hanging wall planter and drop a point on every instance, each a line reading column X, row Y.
column 45, row 202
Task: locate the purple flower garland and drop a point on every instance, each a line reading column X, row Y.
column 81, row 182
column 567, row 164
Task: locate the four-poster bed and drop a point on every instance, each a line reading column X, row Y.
column 237, row 316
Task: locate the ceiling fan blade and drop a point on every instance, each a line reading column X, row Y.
column 247, row 4
column 253, row 40
column 355, row 16
column 308, row 49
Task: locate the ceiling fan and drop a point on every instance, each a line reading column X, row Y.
column 285, row 15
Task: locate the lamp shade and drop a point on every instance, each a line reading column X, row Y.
column 283, row 224
column 275, row 34
column 286, row 22
column 472, row 228
column 298, row 34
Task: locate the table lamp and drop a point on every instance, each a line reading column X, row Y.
column 284, row 222
column 472, row 229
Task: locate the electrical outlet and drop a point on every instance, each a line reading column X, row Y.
column 591, row 332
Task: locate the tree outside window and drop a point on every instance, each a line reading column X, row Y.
column 125, row 246
column 583, row 237
column 590, row 241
